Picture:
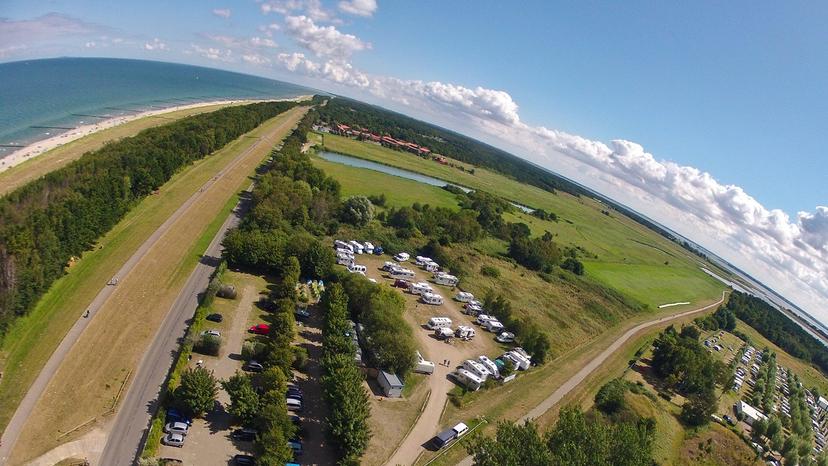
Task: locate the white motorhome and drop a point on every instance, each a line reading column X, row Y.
column 358, row 248
column 476, row 368
column 431, row 298
column 421, row 260
column 431, row 267
column 464, row 332
column 369, row 248
column 360, row 269
column 490, row 366
column 463, row 296
column 402, row 257
column 445, row 279
column 469, row 380
column 388, row 266
column 482, row 319
column 338, row 244
column 519, row 360
column 419, row 288
column 438, row 322
column 345, row 260
column 443, row 333
column 523, row 353
column 423, row 366
column 493, row 325
column 472, row 309
column 405, row 274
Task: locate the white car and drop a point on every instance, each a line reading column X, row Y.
column 505, row 337
column 179, row 428
column 173, row 440
column 214, row 333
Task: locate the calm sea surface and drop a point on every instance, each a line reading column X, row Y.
column 64, row 92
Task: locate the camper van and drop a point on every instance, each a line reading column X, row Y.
column 360, row 269
column 344, row 251
column 343, row 245
column 344, row 260
column 419, row 288
column 476, row 368
column 472, row 309
column 490, row 366
column 464, row 332
column 493, row 325
column 518, row 359
column 421, row 260
column 463, row 296
column 445, row 279
column 368, row 247
column 443, row 333
column 468, row 380
column 523, row 353
column 389, row 266
column 438, row 322
column 431, row 298
column 400, row 272
column 482, row 319
column 358, row 248
column 402, row 257
column 423, row 366
column 431, row 267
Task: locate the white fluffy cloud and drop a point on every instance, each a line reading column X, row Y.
column 358, row 7
column 222, row 12
column 313, row 9
column 323, row 41
column 211, row 53
column 790, row 255
column 155, row 44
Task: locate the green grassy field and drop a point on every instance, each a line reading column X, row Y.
column 622, row 253
column 399, row 192
column 32, row 338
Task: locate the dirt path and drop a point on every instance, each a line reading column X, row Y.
column 594, row 364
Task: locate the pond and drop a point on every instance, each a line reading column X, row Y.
column 402, row 173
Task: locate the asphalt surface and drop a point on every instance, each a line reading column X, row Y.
column 164, row 346
column 594, row 364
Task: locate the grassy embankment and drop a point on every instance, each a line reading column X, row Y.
column 620, row 252
column 138, row 306
column 46, row 162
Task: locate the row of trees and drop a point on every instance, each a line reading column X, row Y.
column 722, row 319
column 687, row 367
column 342, row 379
column 576, row 440
column 57, row 217
column 765, row 387
column 778, row 328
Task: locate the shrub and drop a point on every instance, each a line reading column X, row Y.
column 253, row 350
column 207, row 344
column 226, row 291
column 300, row 357
column 490, row 271
column 610, row 398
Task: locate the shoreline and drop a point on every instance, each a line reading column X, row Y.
column 43, row 146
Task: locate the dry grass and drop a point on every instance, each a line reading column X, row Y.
column 36, row 167
column 717, row 446
column 118, row 336
column 391, row 420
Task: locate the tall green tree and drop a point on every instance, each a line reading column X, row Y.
column 244, row 400
column 197, row 391
column 515, row 444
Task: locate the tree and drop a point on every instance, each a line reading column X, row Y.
column 698, row 408
column 610, row 398
column 244, row 401
column 197, row 391
column 273, row 448
column 573, row 265
column 286, row 286
column 516, row 444
column 759, row 428
column 357, row 210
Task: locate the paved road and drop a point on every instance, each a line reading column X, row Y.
column 130, row 428
column 24, row 409
column 594, row 364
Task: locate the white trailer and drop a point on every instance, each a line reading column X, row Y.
column 443, row 333
column 405, row 274
column 389, row 266
column 520, row 361
column 482, row 319
column 431, row 267
column 345, row 260
column 421, row 260
column 445, row 279
column 438, row 322
column 472, row 309
column 358, row 248
column 419, row 288
column 490, row 366
column 369, row 248
column 493, row 325
column 476, row 368
column 468, row 380
column 423, row 366
column 464, row 332
column 431, row 298
column 463, row 296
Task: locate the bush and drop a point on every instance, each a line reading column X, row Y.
column 208, row 344
column 610, row 398
column 300, row 357
column 490, row 271
column 226, row 291
column 357, row 210
column 253, row 350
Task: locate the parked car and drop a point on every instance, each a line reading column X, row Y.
column 173, row 440
column 260, row 329
column 253, row 366
column 296, row 420
column 294, row 395
column 293, row 404
column 294, row 389
column 729, row 420
column 301, row 313
column 378, row 250
column 176, row 428
column 245, row 435
column 174, row 415
column 214, row 333
column 215, row 317
column 296, row 446
column 505, row 337
column 401, row 283
column 244, row 460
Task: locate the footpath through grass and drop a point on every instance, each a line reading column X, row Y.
column 48, row 161
column 33, row 338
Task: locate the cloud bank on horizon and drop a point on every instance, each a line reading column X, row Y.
column 788, row 254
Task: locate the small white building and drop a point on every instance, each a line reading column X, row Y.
column 750, row 413
column 391, row 385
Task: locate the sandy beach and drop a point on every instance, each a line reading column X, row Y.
column 44, row 145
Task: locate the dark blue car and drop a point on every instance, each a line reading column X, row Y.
column 174, row 415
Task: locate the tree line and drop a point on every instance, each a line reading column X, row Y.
column 50, row 220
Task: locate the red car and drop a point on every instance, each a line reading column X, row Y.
column 400, row 283
column 260, row 329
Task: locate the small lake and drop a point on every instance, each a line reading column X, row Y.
column 402, row 173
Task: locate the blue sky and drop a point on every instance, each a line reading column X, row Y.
column 726, row 102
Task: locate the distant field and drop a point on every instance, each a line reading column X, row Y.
column 143, row 297
column 42, row 164
column 399, row 192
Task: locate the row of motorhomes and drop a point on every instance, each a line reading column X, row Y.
column 356, row 247
column 473, row 374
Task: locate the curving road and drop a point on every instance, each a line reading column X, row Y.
column 595, row 363
column 24, row 409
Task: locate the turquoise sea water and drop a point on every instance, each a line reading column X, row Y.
column 68, row 92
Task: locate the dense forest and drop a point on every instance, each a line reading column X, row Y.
column 442, row 141
column 779, row 328
column 47, row 222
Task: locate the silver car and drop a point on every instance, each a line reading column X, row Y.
column 173, row 440
column 176, row 428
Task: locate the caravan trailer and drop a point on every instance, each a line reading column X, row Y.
column 421, row 260
column 443, row 333
column 402, row 257
column 423, row 366
column 438, row 322
column 468, row 380
column 431, row 298
column 431, row 267
column 476, row 368
column 463, row 296
column 464, row 332
column 405, row 274
column 490, row 366
column 520, row 361
column 493, row 325
column 445, row 279
column 419, row 288
column 472, row 309
column 482, row 319
column 388, row 266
